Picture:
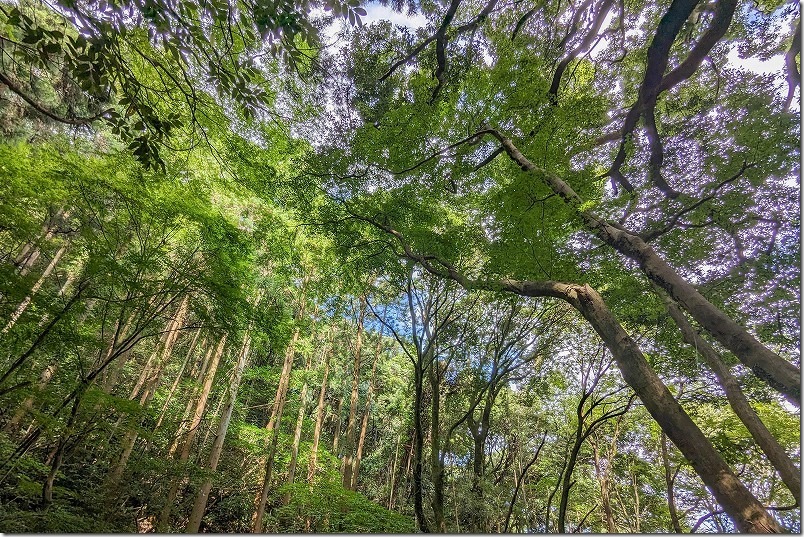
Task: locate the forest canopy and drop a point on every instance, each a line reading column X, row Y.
column 463, row 266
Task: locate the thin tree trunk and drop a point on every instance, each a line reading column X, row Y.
column 519, row 481
column 336, row 436
column 319, row 417
column 566, row 482
column 27, row 405
column 393, row 473
column 669, row 479
column 35, row 289
column 273, row 428
column 58, row 456
column 436, row 465
column 169, row 396
column 30, row 252
column 198, row 415
column 200, row 504
column 351, row 424
column 738, row 502
column 604, row 476
column 418, row 446
column 150, row 381
column 294, row 450
column 366, row 414
column 43, row 334
column 198, row 373
column 791, row 476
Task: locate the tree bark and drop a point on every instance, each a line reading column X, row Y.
column 519, row 481
column 391, row 483
column 149, row 383
column 200, row 504
column 746, row 511
column 791, row 476
column 418, row 447
column 351, row 423
column 272, row 428
column 669, row 480
column 436, row 464
column 366, row 414
column 179, row 376
column 294, row 450
column 30, row 252
column 767, row 365
column 319, row 416
column 198, row 415
column 35, row 289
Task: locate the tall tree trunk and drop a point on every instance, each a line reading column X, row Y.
column 767, row 365
column 294, row 450
column 391, row 483
column 418, row 447
column 566, row 481
column 603, row 474
column 199, row 373
column 791, row 476
column 351, row 424
column 336, row 435
column 58, row 456
column 272, row 428
column 748, row 513
column 35, row 289
column 436, row 465
column 112, row 374
column 149, row 384
column 319, row 416
column 179, row 376
column 200, row 504
column 518, row 483
column 198, row 415
column 738, row 502
column 45, row 331
column 366, row 414
column 30, row 252
column 27, row 405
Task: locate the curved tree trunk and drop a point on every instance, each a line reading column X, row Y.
column 767, row 365
column 745, row 510
column 791, row 476
column 748, row 514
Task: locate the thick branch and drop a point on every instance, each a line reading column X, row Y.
column 767, row 365
column 747, row 513
column 589, row 38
